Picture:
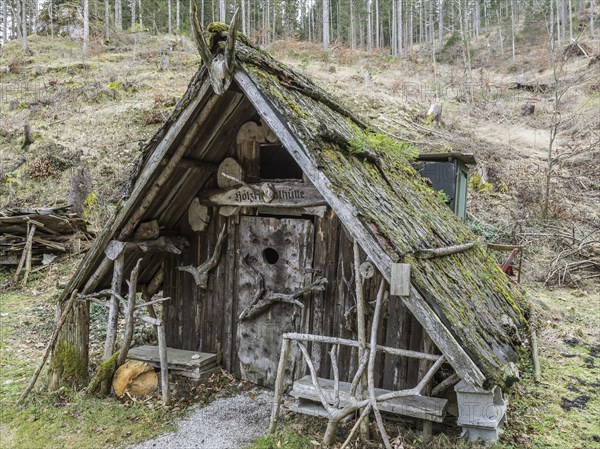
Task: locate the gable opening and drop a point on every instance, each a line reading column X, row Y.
column 277, row 163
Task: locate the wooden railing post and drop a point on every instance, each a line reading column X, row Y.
column 279, row 383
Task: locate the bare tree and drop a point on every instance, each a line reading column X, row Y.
column 4, row 22
column 106, row 20
column 377, row 37
column 512, row 26
column 132, row 14
column 170, row 17
column 118, row 15
column 141, row 21
column 177, row 16
column 592, row 9
column 369, row 25
column 86, row 28
column 325, row 25
column 400, row 28
column 23, row 25
column 441, row 22
column 223, row 10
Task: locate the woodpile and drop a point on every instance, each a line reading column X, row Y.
column 36, row 236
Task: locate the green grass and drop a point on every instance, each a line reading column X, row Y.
column 65, row 418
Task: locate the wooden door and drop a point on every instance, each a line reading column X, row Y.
column 280, row 252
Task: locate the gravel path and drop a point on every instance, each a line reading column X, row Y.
column 227, row 423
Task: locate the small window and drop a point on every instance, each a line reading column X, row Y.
column 277, row 163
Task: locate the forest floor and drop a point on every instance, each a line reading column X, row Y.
column 99, row 112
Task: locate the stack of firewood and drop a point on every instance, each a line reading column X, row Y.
column 38, row 236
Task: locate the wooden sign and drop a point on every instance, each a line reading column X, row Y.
column 400, row 280
column 281, row 194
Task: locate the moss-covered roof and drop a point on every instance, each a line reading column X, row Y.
column 373, row 173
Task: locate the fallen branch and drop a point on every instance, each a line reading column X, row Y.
column 446, row 251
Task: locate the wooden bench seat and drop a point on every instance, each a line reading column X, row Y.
column 193, row 364
column 423, row 407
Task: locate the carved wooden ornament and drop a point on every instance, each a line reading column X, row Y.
column 198, row 216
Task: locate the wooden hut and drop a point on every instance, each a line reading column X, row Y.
column 253, row 195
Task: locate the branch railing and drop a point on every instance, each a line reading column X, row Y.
column 336, row 411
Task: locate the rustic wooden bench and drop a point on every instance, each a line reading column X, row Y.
column 192, row 364
column 422, row 407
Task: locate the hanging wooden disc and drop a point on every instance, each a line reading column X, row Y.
column 198, row 216
column 229, row 174
column 367, row 270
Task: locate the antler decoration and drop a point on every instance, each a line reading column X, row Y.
column 220, row 67
column 200, row 273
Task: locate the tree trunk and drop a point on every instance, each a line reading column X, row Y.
column 243, row 17
column 178, row 16
column 592, row 8
column 106, row 20
column 440, row 23
column 132, row 14
column 512, row 26
column 70, row 355
column 400, row 32
column 558, row 36
column 170, row 17
column 222, row 11
column 141, row 21
column 23, row 25
column 5, row 22
column 369, row 25
column 570, row 21
column 500, row 31
column 118, row 15
column 86, row 28
column 352, row 27
column 377, row 37
column 325, row 25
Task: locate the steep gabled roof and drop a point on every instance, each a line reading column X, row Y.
column 464, row 301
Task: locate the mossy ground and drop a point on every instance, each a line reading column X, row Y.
column 563, row 410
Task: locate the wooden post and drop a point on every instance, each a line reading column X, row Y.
column 26, row 256
column 279, row 383
column 113, row 312
column 424, row 366
column 129, row 319
column 164, row 362
column 371, row 365
column 536, row 361
column 362, row 332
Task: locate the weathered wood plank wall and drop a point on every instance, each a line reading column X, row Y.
column 207, row 320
